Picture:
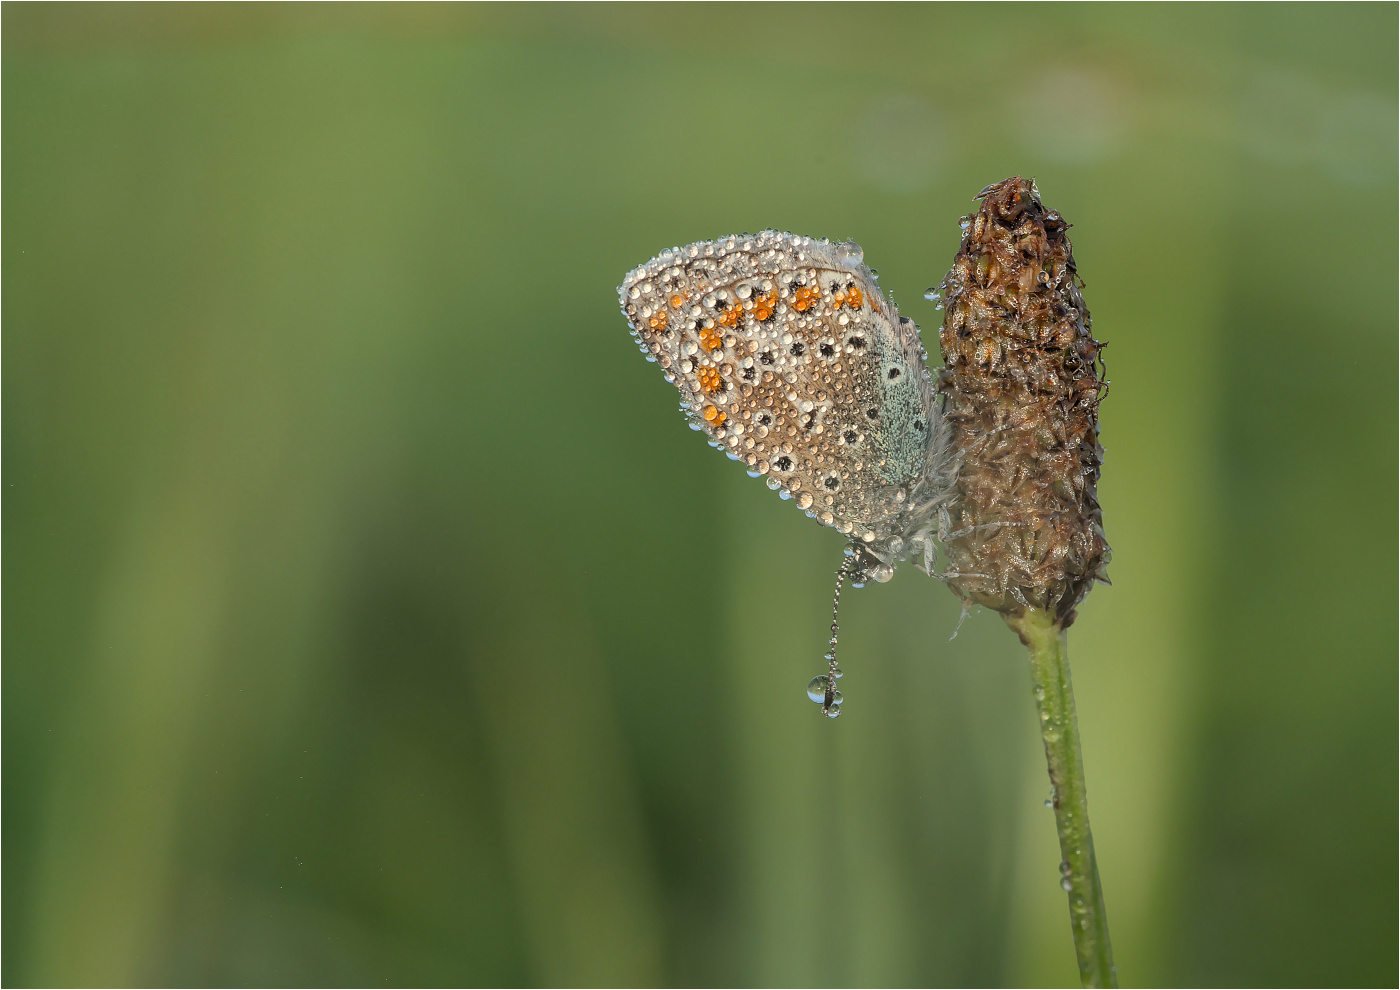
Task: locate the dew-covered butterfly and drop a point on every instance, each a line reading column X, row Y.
column 790, row 360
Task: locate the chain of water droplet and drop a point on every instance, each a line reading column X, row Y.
column 822, row 688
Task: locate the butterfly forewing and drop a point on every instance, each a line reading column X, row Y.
column 789, row 357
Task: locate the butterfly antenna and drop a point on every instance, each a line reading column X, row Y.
column 831, row 702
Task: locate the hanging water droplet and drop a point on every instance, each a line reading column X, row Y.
column 1066, row 885
column 837, row 697
column 932, row 294
column 833, row 711
column 849, row 254
column 1049, row 803
column 838, row 672
column 816, row 688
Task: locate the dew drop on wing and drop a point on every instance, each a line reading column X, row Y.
column 849, row 253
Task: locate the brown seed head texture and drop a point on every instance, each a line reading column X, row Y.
column 1022, row 386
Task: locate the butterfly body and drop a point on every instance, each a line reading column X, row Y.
column 789, row 357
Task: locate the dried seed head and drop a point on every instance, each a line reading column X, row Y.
column 1022, row 387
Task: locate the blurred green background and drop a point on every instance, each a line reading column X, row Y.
column 371, row 616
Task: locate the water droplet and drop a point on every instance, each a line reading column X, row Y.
column 816, row 688
column 849, row 254
column 1049, row 803
column 836, row 697
column 1066, row 885
column 932, row 294
column 834, row 711
column 838, row 672
column 1065, row 867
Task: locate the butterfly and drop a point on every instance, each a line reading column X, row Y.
column 790, row 359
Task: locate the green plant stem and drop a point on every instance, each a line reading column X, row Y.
column 1059, row 727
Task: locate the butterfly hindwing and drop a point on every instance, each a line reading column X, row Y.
column 789, row 357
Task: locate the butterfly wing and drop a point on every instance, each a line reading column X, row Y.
column 790, row 358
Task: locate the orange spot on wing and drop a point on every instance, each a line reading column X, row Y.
column 677, row 300
column 711, row 338
column 730, row 316
column 710, row 380
column 713, row 416
column 804, row 297
column 659, row 321
column 855, row 298
column 763, row 306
